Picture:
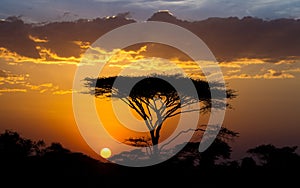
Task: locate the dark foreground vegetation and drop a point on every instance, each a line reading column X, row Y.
column 25, row 162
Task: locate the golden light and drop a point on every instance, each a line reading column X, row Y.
column 105, row 153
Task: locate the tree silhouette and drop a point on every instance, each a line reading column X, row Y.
column 155, row 100
column 13, row 146
column 21, row 157
column 248, row 163
column 56, row 148
column 273, row 157
column 219, row 150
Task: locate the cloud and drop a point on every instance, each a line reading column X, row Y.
column 137, row 62
column 127, row 56
column 82, row 45
column 9, row 86
column 62, row 92
column 37, row 40
column 293, row 70
column 148, row 66
column 268, row 75
column 228, row 38
column 6, row 77
column 233, row 72
column 242, row 62
column 142, row 60
column 260, row 69
column 46, row 57
column 244, row 68
column 42, row 87
column 11, row 82
column 128, row 62
column 7, row 90
column 247, row 48
column 273, row 74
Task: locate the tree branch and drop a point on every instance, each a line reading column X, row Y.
column 181, row 132
column 181, row 112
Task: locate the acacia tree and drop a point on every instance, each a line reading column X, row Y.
column 152, row 96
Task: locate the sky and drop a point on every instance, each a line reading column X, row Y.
column 47, row 10
column 259, row 59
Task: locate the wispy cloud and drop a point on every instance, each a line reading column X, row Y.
column 12, row 82
column 46, row 57
column 41, row 88
column 37, row 40
column 135, row 62
column 6, row 77
column 270, row 74
column 83, row 45
column 8, row 90
column 260, row 69
column 242, row 62
column 292, row 70
column 62, row 92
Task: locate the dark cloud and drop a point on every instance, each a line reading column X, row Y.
column 228, row 38
column 232, row 38
column 14, row 35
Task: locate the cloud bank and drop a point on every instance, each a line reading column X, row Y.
column 246, row 48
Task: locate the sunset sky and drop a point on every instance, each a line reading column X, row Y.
column 259, row 58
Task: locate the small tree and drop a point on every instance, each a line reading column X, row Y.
column 273, row 157
column 13, row 146
column 155, row 97
column 219, row 149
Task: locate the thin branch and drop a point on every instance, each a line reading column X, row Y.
column 149, row 112
column 130, row 104
column 140, row 106
column 181, row 112
column 135, row 108
column 169, row 112
column 126, row 101
column 181, row 132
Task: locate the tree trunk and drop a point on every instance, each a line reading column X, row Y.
column 154, row 139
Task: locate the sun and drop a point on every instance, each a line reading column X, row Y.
column 105, row 153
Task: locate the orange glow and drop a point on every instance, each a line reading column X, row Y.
column 120, row 132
